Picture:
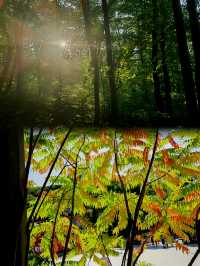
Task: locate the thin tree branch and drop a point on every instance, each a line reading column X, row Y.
column 149, row 183
column 54, row 228
column 120, row 179
column 124, row 191
column 48, row 176
column 32, row 145
column 73, row 203
column 43, row 199
column 30, row 152
column 139, row 204
column 197, row 225
column 194, row 257
column 37, row 138
column 70, row 163
column 104, row 247
column 140, row 253
column 28, row 231
column 156, row 179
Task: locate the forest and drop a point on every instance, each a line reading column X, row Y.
column 105, row 63
column 99, row 131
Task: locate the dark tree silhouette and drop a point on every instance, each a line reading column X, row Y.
column 94, row 57
column 156, row 76
column 166, row 77
column 13, row 182
column 188, row 82
column 195, row 32
column 110, row 62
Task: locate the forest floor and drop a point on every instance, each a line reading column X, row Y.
column 157, row 256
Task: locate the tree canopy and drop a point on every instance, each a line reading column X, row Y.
column 100, row 62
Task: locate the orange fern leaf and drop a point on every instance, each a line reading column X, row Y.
column 173, row 143
column 189, row 171
column 160, row 192
column 168, row 176
column 182, row 247
column 192, row 195
column 156, row 227
column 166, row 158
column 145, row 155
column 138, row 142
column 177, row 217
column 155, row 208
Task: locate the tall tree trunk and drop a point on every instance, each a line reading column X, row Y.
column 166, row 78
column 20, row 177
column 39, row 78
column 96, row 86
column 195, row 31
column 111, row 69
column 19, row 50
column 12, row 173
column 8, row 60
column 94, row 58
column 188, row 82
column 168, row 100
column 8, row 63
column 156, row 78
column 13, row 169
column 21, row 239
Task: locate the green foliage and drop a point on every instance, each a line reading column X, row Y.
column 56, row 78
column 100, row 218
column 144, row 264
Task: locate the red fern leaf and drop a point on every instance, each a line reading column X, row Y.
column 160, row 192
column 173, row 143
column 155, row 208
column 182, row 247
column 192, row 195
column 138, row 142
column 189, row 171
column 145, row 155
column 166, row 158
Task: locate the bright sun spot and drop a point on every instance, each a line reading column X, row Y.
column 62, row 43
